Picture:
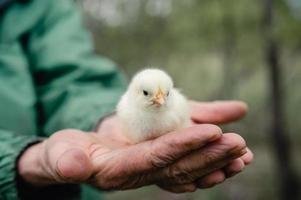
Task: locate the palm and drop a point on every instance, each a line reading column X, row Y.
column 110, row 132
column 95, row 151
column 215, row 113
column 108, row 160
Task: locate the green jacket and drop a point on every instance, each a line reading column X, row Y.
column 49, row 80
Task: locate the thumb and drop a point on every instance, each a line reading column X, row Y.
column 218, row 112
column 73, row 166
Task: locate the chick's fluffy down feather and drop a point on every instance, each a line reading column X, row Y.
column 141, row 118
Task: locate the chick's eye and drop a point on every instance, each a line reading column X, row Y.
column 167, row 94
column 145, row 93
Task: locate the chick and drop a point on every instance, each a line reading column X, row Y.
column 152, row 107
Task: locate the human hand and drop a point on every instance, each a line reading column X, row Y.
column 107, row 161
column 220, row 112
column 71, row 156
column 214, row 112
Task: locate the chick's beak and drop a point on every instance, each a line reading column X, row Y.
column 159, row 98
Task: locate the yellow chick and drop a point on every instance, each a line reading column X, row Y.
column 152, row 106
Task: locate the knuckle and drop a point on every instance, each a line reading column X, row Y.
column 174, row 172
column 209, row 157
column 179, row 175
column 158, row 161
column 159, row 158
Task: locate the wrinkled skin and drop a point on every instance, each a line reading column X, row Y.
column 197, row 157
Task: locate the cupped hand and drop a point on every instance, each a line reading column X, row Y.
column 178, row 161
column 218, row 112
column 177, row 158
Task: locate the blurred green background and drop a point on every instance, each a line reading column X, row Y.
column 215, row 50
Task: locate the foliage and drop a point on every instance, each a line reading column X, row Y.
column 214, row 50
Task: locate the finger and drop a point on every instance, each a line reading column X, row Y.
column 74, row 166
column 211, row 179
column 217, row 112
column 166, row 149
column 204, row 161
column 234, row 167
column 248, row 157
column 68, row 160
column 171, row 147
column 152, row 155
column 189, row 187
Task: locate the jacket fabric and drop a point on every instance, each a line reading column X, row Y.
column 50, row 79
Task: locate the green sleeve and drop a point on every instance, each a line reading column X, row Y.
column 74, row 86
column 11, row 145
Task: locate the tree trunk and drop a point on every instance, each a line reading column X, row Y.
column 280, row 139
column 228, row 47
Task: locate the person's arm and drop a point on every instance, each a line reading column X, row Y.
column 11, row 145
column 74, row 86
column 106, row 161
column 173, row 161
